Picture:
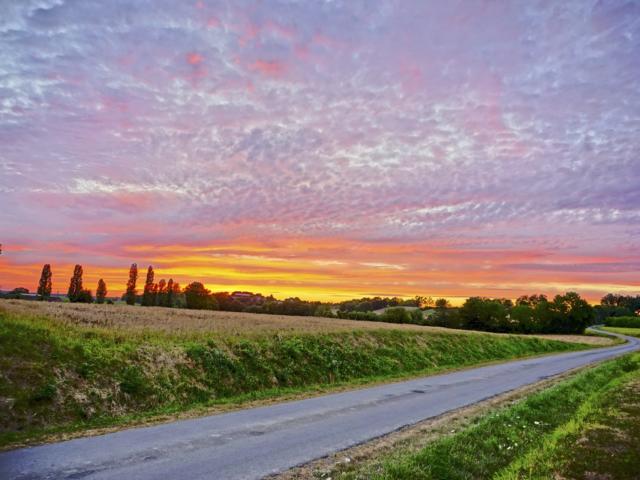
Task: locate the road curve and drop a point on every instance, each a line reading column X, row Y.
column 253, row 443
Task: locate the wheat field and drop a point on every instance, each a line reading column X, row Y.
column 184, row 322
column 178, row 320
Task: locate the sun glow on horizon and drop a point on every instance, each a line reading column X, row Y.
column 311, row 270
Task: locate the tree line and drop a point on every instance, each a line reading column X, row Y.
column 76, row 291
column 168, row 293
column 370, row 304
column 612, row 305
column 568, row 313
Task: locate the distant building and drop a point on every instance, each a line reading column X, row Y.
column 248, row 298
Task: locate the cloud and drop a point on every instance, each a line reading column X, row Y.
column 502, row 127
column 194, row 58
column 269, row 68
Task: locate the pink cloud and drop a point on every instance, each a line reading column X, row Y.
column 249, row 34
column 412, row 77
column 324, row 41
column 194, row 58
column 280, row 30
column 271, row 68
column 301, row 51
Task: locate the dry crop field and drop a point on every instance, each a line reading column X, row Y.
column 183, row 322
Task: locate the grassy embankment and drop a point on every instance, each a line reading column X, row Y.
column 69, row 368
column 632, row 332
column 585, row 424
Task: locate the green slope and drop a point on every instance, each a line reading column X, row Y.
column 64, row 378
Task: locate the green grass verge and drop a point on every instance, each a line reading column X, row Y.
column 602, row 440
column 513, row 441
column 60, row 378
column 632, row 332
column 624, row 322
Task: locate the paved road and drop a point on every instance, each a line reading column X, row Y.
column 250, row 444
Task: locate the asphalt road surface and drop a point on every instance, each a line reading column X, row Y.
column 253, row 443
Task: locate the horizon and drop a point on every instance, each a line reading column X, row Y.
column 325, row 150
column 454, row 301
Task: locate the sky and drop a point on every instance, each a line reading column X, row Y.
column 323, row 149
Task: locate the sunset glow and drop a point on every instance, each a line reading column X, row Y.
column 326, row 150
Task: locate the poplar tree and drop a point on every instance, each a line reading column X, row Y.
column 147, row 295
column 161, row 300
column 170, row 297
column 75, row 284
column 176, row 293
column 130, row 295
column 101, row 291
column 44, row 286
column 154, row 295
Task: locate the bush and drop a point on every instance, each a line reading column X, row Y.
column 84, row 297
column 133, row 381
column 370, row 316
column 417, row 317
column 45, row 393
column 324, row 311
column 625, row 322
column 396, row 315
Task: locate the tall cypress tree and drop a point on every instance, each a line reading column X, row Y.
column 75, row 284
column 147, row 296
column 154, row 294
column 101, row 291
column 161, row 300
column 170, row 298
column 44, row 286
column 130, row 295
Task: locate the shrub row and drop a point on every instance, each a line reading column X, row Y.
column 625, row 322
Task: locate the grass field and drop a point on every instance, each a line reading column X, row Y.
column 632, row 332
column 69, row 368
column 584, row 427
